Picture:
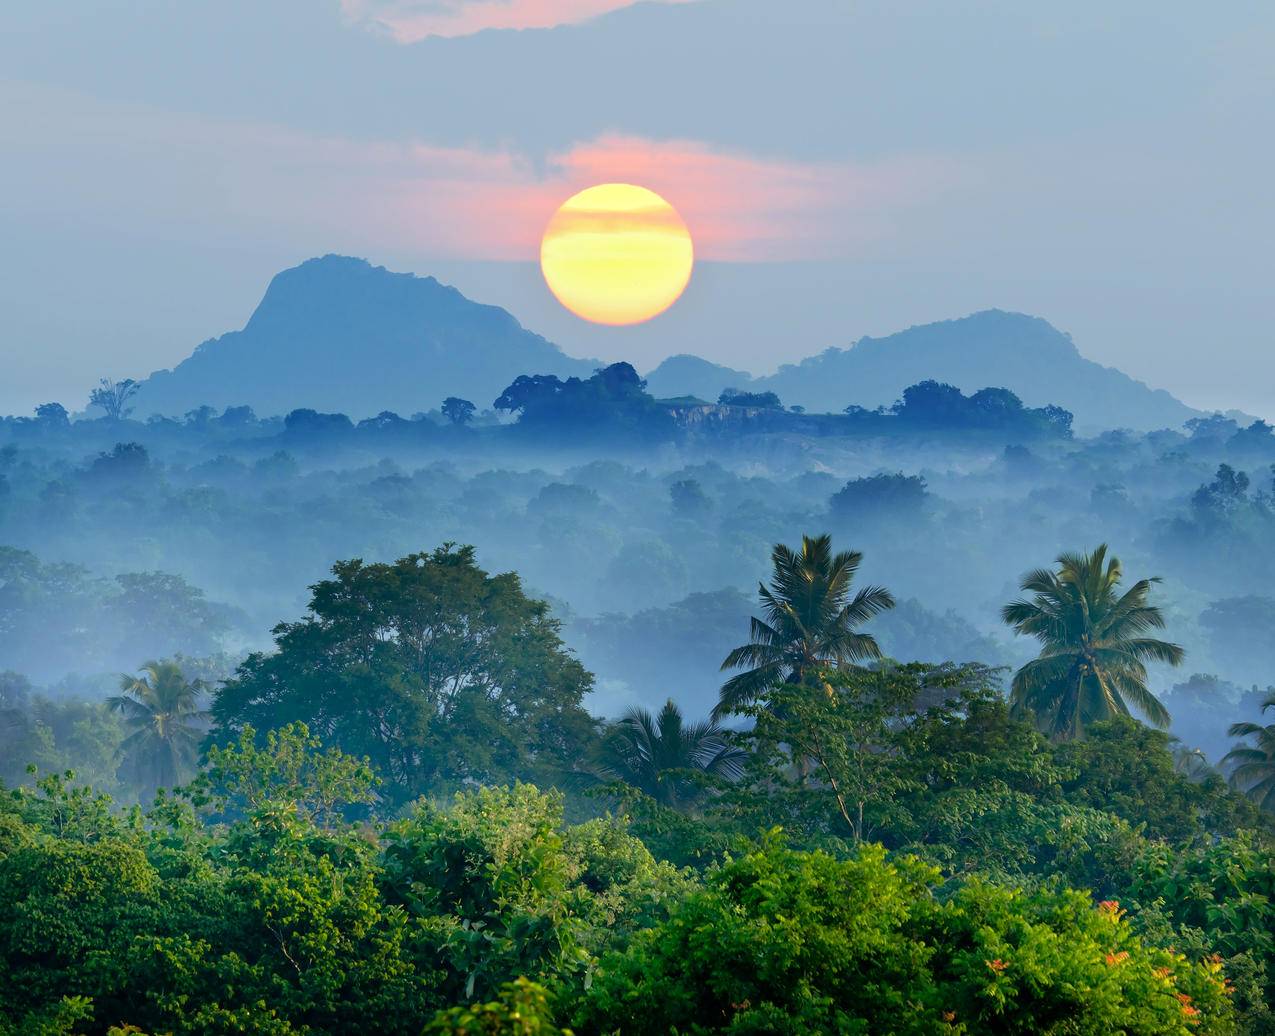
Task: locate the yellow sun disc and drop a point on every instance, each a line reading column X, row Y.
column 616, row 254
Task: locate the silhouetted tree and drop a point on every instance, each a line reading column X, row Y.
column 52, row 415
column 113, row 397
column 458, row 411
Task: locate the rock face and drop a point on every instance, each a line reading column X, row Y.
column 338, row 334
column 1004, row 350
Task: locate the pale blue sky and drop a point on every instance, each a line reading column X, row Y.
column 848, row 169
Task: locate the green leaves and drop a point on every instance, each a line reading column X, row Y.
column 1092, row 664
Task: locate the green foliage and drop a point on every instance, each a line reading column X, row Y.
column 666, row 758
column 161, row 711
column 1253, row 766
column 1129, row 770
column 435, row 671
column 520, row 1009
column 1093, row 645
column 810, row 622
column 1217, row 899
column 293, row 769
column 788, row 942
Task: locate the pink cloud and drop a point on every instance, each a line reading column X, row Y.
column 411, row 20
column 208, row 179
column 737, row 207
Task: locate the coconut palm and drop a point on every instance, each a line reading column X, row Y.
column 1254, row 765
column 1094, row 648
column 660, row 754
column 161, row 709
column 810, row 622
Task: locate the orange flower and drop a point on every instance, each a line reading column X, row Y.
column 949, row 1016
column 996, row 965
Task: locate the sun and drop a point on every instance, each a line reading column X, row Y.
column 617, row 254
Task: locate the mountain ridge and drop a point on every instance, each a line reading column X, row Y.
column 336, row 333
column 989, row 348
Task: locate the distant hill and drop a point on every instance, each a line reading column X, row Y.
column 685, row 375
column 338, row 334
column 1006, row 350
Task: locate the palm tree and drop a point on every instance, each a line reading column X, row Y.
column 660, row 754
column 1254, row 772
column 161, row 708
column 1093, row 646
column 810, row 622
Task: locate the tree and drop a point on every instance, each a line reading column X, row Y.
column 780, row 941
column 161, row 709
column 896, row 495
column 688, row 498
column 830, row 750
column 1093, row 646
column 458, row 411
column 760, row 400
column 662, row 754
column 1254, row 765
column 810, row 622
column 52, row 415
column 436, row 671
column 113, row 397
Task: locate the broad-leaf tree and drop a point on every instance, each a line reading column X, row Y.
column 161, row 710
column 1094, row 646
column 436, row 671
column 1254, row 765
column 661, row 754
column 458, row 411
column 809, row 622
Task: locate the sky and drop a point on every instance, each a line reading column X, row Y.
column 845, row 168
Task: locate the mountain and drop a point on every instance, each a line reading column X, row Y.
column 1005, row 350
column 685, row 375
column 338, row 334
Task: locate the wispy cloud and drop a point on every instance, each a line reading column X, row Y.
column 210, row 177
column 411, row 20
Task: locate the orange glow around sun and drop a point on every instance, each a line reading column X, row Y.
column 617, row 254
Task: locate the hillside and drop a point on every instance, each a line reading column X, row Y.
column 685, row 375
column 993, row 348
column 339, row 334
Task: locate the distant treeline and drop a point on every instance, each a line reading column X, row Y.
column 614, row 403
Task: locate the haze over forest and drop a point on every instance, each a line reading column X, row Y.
column 832, row 591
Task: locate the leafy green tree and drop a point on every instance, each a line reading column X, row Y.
column 662, row 755
column 292, row 768
column 1216, row 900
column 810, row 622
column 786, row 942
column 1129, row 770
column 434, row 670
column 1253, row 766
column 825, row 756
column 521, row 1008
column 1093, row 646
column 161, row 710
